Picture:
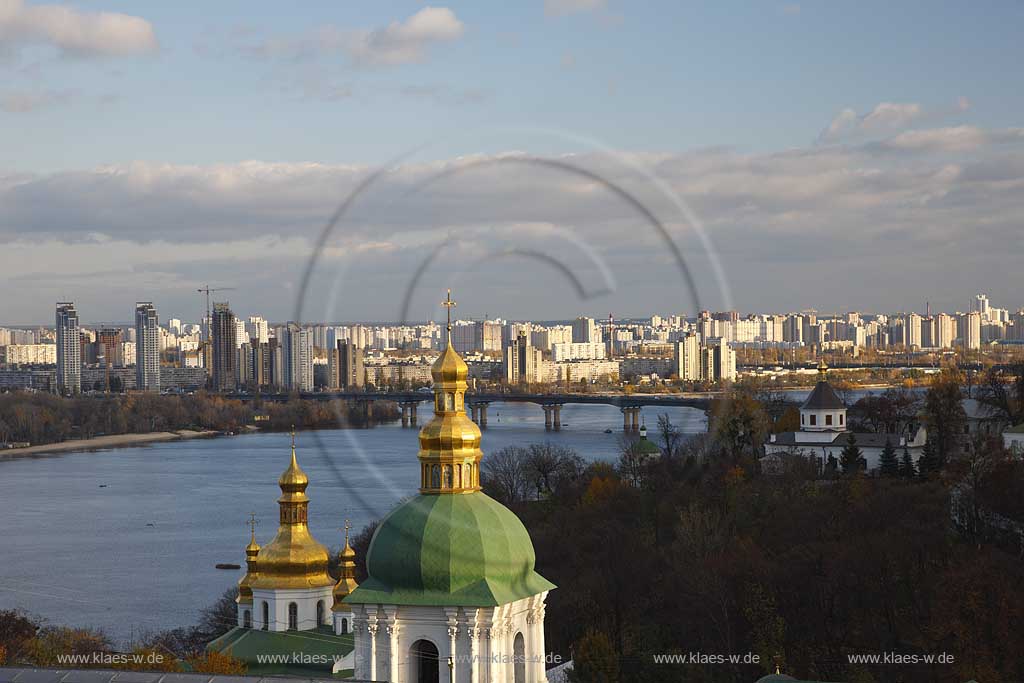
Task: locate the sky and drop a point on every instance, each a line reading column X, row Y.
column 351, row 160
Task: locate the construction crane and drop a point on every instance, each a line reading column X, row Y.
column 207, row 289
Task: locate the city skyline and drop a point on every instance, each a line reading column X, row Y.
column 883, row 168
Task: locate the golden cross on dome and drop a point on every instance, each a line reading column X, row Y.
column 252, row 522
column 448, row 303
column 348, row 526
column 293, row 437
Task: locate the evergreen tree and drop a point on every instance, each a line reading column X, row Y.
column 907, row 469
column 888, row 463
column 831, row 466
column 851, row 459
column 929, row 460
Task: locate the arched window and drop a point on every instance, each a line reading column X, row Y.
column 319, row 612
column 424, row 662
column 344, row 625
column 448, row 476
column 247, row 619
column 449, row 402
column 519, row 652
column 435, row 477
column 458, row 475
column 293, row 617
column 266, row 617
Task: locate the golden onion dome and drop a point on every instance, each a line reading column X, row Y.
column 347, row 579
column 449, row 366
column 293, row 559
column 252, row 551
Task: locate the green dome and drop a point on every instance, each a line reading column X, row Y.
column 462, row 549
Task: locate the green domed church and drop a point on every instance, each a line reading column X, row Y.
column 452, row 594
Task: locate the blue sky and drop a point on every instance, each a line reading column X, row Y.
column 183, row 86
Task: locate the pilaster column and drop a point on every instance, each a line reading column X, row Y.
column 391, row 619
column 372, row 629
column 471, row 645
column 359, row 653
column 453, row 633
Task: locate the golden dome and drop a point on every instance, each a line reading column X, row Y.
column 449, row 366
column 293, row 559
column 251, row 553
column 347, row 581
column 450, row 443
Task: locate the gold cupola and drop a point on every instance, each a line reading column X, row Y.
column 449, row 452
column 347, row 579
column 293, row 559
column 251, row 552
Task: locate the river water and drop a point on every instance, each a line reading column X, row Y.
column 126, row 539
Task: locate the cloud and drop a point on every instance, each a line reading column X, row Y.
column 952, row 139
column 73, row 32
column 400, row 42
column 559, row 8
column 885, row 118
column 25, row 101
column 831, row 213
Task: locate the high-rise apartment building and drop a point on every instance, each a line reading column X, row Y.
column 348, row 360
column 147, row 347
column 970, row 330
column 523, row 363
column 224, row 348
column 585, row 331
column 687, row 358
column 945, row 330
column 69, row 349
column 718, row 362
column 298, row 358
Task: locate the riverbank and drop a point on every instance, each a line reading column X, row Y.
column 107, row 441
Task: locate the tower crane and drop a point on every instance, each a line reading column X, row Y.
column 207, row 289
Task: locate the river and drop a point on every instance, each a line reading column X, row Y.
column 126, row 539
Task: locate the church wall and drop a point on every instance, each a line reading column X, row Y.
column 480, row 639
column 278, row 601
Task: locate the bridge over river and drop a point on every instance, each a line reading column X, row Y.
column 478, row 402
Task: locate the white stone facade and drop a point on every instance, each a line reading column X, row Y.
column 278, row 613
column 503, row 644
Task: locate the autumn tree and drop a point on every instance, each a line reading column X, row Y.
column 944, row 414
column 595, row 659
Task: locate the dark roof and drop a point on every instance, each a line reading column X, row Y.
column 823, row 397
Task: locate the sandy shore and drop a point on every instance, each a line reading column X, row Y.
column 109, row 441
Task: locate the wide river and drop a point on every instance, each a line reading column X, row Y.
column 126, row 539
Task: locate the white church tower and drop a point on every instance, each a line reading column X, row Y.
column 452, row 594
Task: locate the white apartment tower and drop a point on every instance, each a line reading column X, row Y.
column 687, row 358
column 147, row 347
column 69, row 349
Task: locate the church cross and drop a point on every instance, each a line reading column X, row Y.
column 448, row 303
column 252, row 523
column 348, row 526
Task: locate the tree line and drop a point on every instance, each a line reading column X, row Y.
column 40, row 418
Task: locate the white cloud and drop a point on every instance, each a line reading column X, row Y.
column 952, row 139
column 886, row 118
column 400, row 42
column 558, row 8
column 24, row 101
column 834, row 213
column 73, row 32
